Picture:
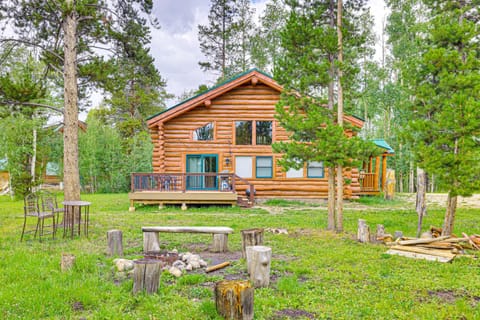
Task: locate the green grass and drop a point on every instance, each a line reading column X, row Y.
column 329, row 275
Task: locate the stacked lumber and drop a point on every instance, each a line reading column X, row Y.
column 439, row 248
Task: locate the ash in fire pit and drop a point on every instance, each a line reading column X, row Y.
column 167, row 257
column 175, row 262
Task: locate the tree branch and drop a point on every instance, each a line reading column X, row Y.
column 32, row 44
column 31, row 104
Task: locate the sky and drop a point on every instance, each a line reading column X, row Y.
column 175, row 45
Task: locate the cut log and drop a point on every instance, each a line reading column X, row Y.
column 421, row 241
column 258, row 265
column 67, row 262
column 416, row 255
column 150, row 242
column 363, row 233
column 234, row 299
column 217, row 266
column 251, row 237
column 432, row 252
column 115, row 243
column 220, row 242
column 146, row 275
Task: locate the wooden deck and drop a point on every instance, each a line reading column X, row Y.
column 187, row 188
column 183, row 198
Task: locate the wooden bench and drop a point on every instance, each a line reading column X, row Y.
column 220, row 236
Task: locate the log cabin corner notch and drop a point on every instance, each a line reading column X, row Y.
column 220, row 140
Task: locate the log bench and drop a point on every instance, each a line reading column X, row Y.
column 220, row 236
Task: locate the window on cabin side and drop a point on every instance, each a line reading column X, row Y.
column 204, row 133
column 264, row 167
column 243, row 132
column 263, row 132
column 315, row 169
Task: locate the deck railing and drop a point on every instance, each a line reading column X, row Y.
column 185, row 182
column 368, row 182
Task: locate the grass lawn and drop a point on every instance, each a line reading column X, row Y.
column 315, row 274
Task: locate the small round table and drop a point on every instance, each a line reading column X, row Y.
column 73, row 211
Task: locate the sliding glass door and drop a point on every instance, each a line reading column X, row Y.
column 202, row 163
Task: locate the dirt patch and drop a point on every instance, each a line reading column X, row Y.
column 440, row 199
column 293, row 314
column 447, row 296
column 77, row 306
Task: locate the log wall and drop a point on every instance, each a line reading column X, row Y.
column 173, row 140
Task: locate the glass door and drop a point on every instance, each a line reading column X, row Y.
column 202, row 163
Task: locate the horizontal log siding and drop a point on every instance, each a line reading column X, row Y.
column 173, row 141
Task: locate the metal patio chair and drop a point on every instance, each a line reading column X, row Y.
column 32, row 210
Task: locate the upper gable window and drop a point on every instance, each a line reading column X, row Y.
column 264, row 132
column 204, row 133
column 243, row 132
column 249, row 132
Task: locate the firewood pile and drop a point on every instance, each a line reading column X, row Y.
column 432, row 246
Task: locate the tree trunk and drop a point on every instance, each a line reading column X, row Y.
column 339, row 221
column 331, row 102
column 411, row 179
column 421, row 204
column 331, row 199
column 34, row 155
column 71, row 174
column 449, row 215
column 432, row 184
column 234, row 299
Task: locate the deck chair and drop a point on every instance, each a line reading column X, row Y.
column 32, row 210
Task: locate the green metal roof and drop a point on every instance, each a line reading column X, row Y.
column 211, row 89
column 3, row 164
column 383, row 144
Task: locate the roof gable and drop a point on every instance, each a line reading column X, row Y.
column 252, row 76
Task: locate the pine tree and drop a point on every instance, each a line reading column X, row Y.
column 308, row 73
column 445, row 123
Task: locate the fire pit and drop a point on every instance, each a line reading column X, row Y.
column 167, row 257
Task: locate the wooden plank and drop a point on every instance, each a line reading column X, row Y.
column 184, row 229
column 432, row 252
column 416, row 255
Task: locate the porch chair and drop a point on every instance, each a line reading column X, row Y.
column 32, row 210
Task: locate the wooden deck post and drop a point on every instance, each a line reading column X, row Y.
column 377, row 173
column 384, row 173
column 234, row 299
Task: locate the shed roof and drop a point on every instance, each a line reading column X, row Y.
column 253, row 76
column 384, row 145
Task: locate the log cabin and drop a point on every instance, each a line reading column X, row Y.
column 216, row 147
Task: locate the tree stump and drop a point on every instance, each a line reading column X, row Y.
column 146, row 275
column 363, row 233
column 380, row 232
column 251, row 237
column 115, row 242
column 150, row 242
column 68, row 261
column 234, row 299
column 258, row 265
column 397, row 234
column 220, row 242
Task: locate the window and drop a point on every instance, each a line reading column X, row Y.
column 246, row 134
column 204, row 133
column 315, row 169
column 294, row 173
column 243, row 166
column 263, row 132
column 264, row 167
column 243, row 132
column 52, row 169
